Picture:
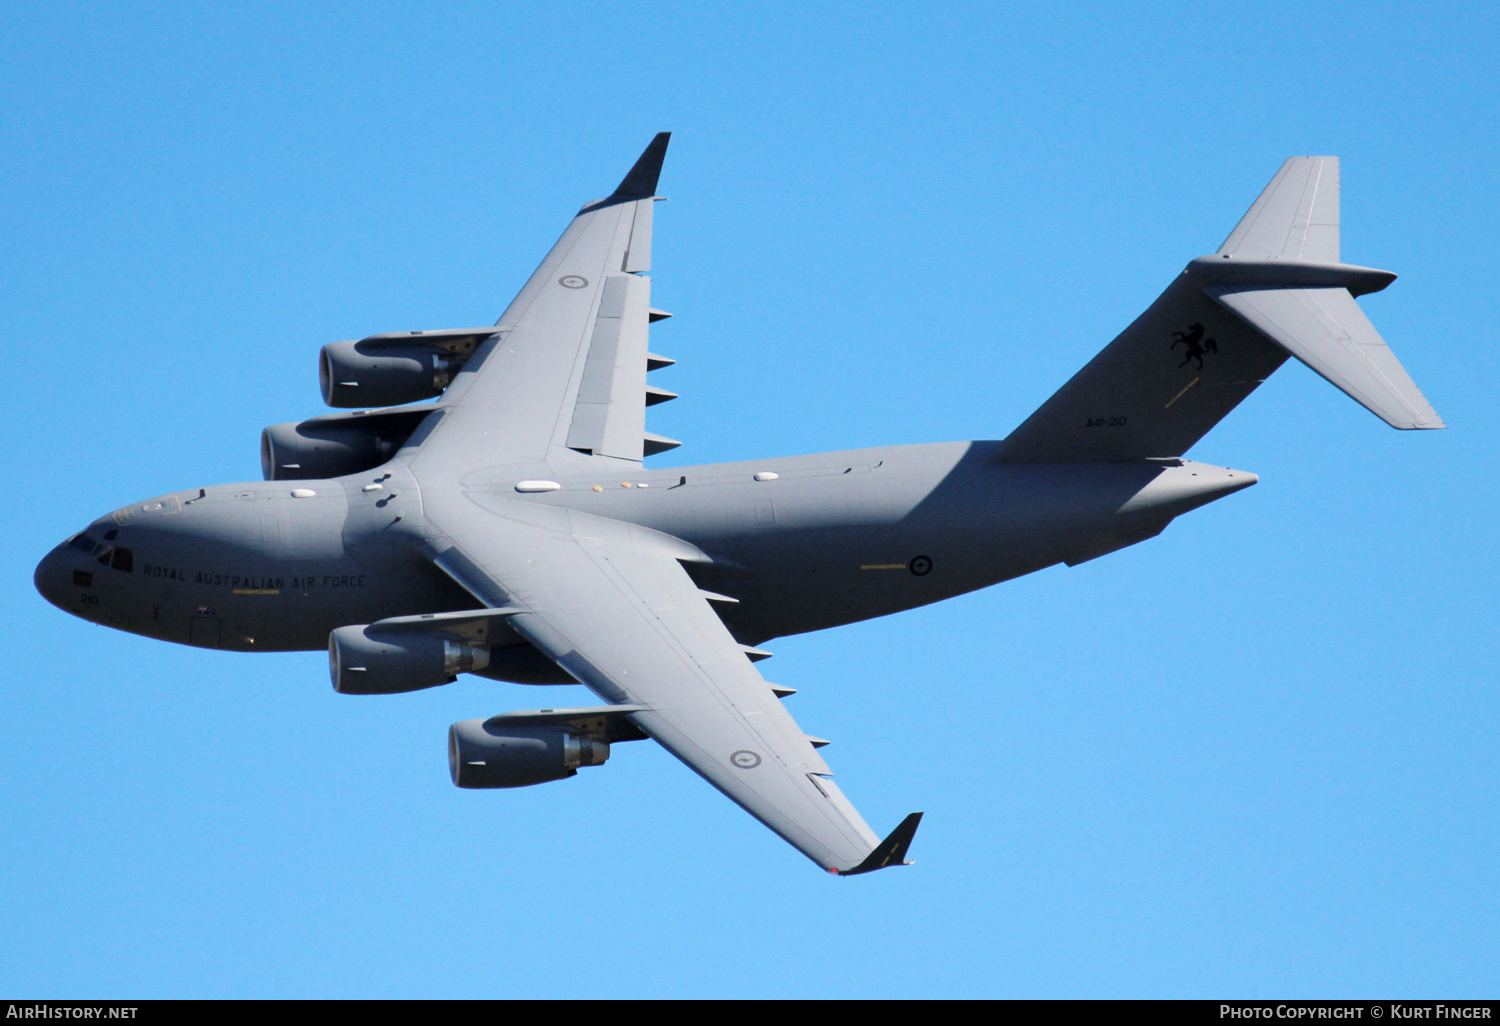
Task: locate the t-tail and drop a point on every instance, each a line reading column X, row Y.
column 1275, row 288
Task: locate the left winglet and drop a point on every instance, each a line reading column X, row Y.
column 640, row 181
column 889, row 852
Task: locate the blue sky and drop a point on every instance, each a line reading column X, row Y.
column 1254, row 756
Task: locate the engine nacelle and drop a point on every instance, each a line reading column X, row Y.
column 482, row 754
column 363, row 374
column 523, row 664
column 336, row 445
column 366, row 662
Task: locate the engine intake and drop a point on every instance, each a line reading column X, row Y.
column 395, row 367
column 336, row 444
column 484, row 754
column 351, row 374
column 366, row 662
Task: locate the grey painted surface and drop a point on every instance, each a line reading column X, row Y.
column 518, row 515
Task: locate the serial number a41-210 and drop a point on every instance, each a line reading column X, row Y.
column 1105, row 422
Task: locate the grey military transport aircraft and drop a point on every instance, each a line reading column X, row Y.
column 512, row 530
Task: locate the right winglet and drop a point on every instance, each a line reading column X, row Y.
column 889, row 852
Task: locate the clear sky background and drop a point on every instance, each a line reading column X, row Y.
column 1255, row 756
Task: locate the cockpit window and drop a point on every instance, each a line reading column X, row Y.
column 116, row 558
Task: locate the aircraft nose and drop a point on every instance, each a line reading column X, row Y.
column 54, row 577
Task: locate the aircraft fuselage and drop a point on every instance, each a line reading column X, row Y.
column 816, row 541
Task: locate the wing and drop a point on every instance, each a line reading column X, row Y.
column 566, row 366
column 611, row 603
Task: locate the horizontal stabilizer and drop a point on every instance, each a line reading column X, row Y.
column 1325, row 329
column 891, row 851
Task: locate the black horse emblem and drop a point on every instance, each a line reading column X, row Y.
column 1195, row 344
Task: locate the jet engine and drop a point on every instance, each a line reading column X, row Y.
column 484, row 753
column 366, row 662
column 337, row 444
column 395, row 367
column 351, row 374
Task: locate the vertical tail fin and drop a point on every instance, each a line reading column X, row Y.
column 1295, row 218
column 1276, row 287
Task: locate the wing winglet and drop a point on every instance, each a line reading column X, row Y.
column 640, row 181
column 889, row 852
